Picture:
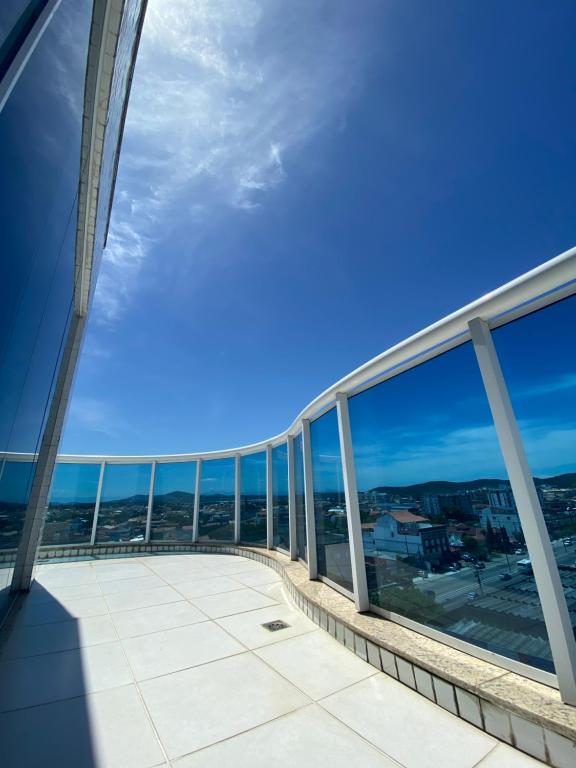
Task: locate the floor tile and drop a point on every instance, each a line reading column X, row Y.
column 155, row 618
column 504, row 756
column 408, row 727
column 117, row 572
column 316, row 663
column 213, row 586
column 109, row 729
column 247, row 627
column 47, row 594
column 59, row 636
column 306, row 738
column 198, row 707
column 183, row 572
column 54, row 676
column 66, row 577
column 257, row 578
column 74, row 608
column 229, row 603
column 126, row 601
column 164, row 652
column 242, row 566
column 132, row 585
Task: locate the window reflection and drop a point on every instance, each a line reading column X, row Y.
column 173, row 502
column 15, row 482
column 124, row 503
column 281, row 524
column 443, row 543
column 301, row 544
column 253, row 499
column 537, row 355
column 70, row 512
column 332, row 542
column 217, row 492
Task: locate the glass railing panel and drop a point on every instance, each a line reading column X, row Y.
column 538, row 358
column 281, row 522
column 123, row 503
column 253, row 499
column 431, row 482
column 173, row 501
column 217, row 493
column 332, row 541
column 70, row 514
column 301, row 543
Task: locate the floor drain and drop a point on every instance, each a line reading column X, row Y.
column 274, row 626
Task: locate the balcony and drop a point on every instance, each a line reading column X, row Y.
column 420, row 513
column 159, row 660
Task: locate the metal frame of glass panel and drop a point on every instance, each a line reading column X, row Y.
column 542, row 286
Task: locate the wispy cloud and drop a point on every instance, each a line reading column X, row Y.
column 223, row 93
column 549, row 387
column 96, row 415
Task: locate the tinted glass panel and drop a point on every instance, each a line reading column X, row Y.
column 281, row 523
column 40, row 131
column 71, row 507
column 15, row 481
column 173, row 503
column 538, row 358
column 124, row 503
column 333, row 549
column 253, row 499
column 217, row 500
column 299, row 496
column 431, row 485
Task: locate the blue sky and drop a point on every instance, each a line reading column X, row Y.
column 304, row 184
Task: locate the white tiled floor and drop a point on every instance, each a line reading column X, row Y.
column 162, row 661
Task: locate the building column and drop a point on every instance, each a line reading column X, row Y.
column 38, row 500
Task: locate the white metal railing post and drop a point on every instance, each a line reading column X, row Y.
column 237, row 498
column 352, row 508
column 150, row 502
column 97, row 504
column 309, row 501
column 292, row 500
column 269, row 499
column 540, row 551
column 196, row 520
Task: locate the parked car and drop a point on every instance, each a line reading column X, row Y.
column 505, row 577
column 518, row 551
column 467, row 556
column 472, row 596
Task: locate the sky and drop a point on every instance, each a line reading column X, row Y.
column 304, row 184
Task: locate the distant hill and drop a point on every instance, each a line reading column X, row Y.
column 567, row 480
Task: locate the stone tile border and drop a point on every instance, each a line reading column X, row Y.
column 526, row 714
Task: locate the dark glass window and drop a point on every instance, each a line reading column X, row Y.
column 70, row 512
column 434, row 497
column 124, row 503
column 253, row 499
column 301, row 543
column 217, row 493
column 332, row 542
column 281, row 522
column 15, row 481
column 173, row 501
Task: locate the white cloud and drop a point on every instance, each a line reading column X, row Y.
column 223, row 91
column 96, row 415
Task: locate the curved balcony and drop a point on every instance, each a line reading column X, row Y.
column 426, row 501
